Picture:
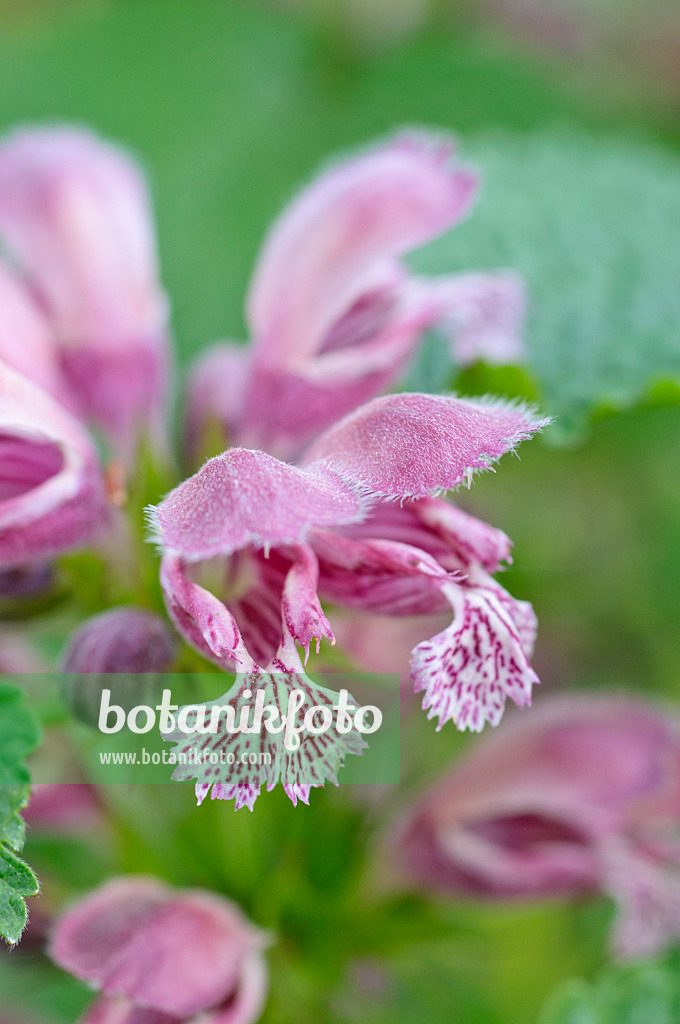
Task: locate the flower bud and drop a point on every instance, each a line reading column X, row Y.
column 121, row 640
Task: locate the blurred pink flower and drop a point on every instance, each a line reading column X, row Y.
column 62, row 807
column 383, row 643
column 17, row 654
column 163, row 956
column 52, row 495
column 483, row 316
column 580, row 796
column 26, row 338
column 74, row 213
column 334, row 313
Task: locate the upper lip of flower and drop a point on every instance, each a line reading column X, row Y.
column 75, row 218
column 393, row 448
column 342, row 231
column 333, row 311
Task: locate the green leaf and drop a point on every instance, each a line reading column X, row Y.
column 593, row 227
column 16, row 874
column 18, row 737
column 644, row 994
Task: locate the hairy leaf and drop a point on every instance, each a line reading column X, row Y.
column 18, row 736
column 593, row 226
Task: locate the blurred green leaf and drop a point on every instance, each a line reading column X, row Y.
column 593, row 226
column 18, row 736
column 644, row 994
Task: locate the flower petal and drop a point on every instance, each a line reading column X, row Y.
column 239, row 762
column 378, row 575
column 323, row 252
column 74, row 212
column 179, row 953
column 454, row 538
column 515, row 855
column 303, row 615
column 216, row 395
column 647, row 894
column 469, row 669
column 245, row 1007
column 267, row 601
column 201, row 618
column 412, row 445
column 51, row 492
column 243, row 794
column 470, row 540
column 484, row 315
column 286, row 408
column 27, row 343
column 247, row 497
column 298, row 792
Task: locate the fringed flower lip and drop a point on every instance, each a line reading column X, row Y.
column 236, row 765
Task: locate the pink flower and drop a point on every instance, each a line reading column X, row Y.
column 26, row 338
column 582, row 795
column 483, row 314
column 74, row 213
column 17, row 654
column 383, row 643
column 334, row 313
column 51, row 492
column 162, row 956
column 249, row 541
